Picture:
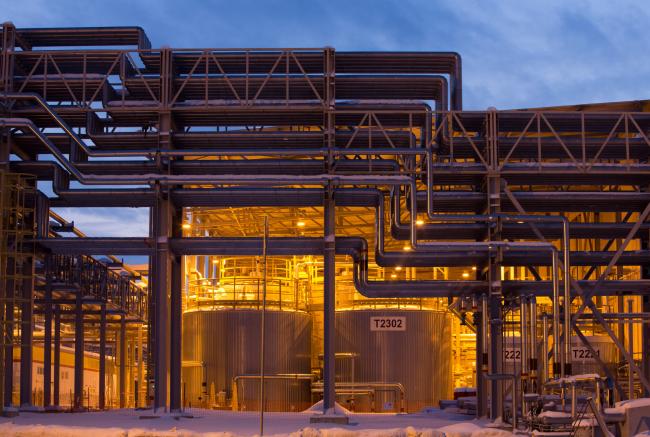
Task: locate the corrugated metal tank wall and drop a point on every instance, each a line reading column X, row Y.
column 222, row 344
column 582, row 362
column 419, row 357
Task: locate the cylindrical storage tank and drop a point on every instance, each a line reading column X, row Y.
column 221, row 345
column 582, row 360
column 384, row 348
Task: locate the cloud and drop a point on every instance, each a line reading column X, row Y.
column 515, row 54
column 108, row 222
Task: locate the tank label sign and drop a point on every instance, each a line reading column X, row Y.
column 582, row 354
column 511, row 354
column 388, row 323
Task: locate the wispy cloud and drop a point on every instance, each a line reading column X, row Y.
column 109, row 222
column 515, row 53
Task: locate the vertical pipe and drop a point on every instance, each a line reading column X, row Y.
column 523, row 334
column 122, row 377
column 532, row 362
column 556, row 319
column 567, row 298
column 102, row 357
column 329, row 302
column 141, row 383
column 483, row 353
column 544, row 375
column 574, row 400
column 263, row 322
column 630, row 334
column 57, row 355
column 78, row 352
column 523, row 328
column 645, row 339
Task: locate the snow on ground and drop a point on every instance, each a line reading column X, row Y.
column 206, row 423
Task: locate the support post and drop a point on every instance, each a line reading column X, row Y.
column 160, row 273
column 78, row 351
column 329, row 395
column 102, row 357
column 645, row 327
column 630, row 373
column 175, row 328
column 495, row 292
column 122, row 377
column 47, row 340
column 141, row 385
column 645, row 342
column 57, row 356
column 166, row 281
column 8, row 338
column 27, row 333
column 481, row 324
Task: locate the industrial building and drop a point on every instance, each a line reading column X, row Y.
column 332, row 222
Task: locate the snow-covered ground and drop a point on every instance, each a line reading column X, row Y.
column 127, row 423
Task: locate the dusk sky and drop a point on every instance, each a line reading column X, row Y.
column 515, row 54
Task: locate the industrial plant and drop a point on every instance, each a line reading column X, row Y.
column 324, row 226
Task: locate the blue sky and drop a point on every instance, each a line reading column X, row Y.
column 515, row 53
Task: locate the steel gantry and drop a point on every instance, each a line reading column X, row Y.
column 110, row 121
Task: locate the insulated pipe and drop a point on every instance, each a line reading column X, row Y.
column 523, row 319
column 630, row 334
column 532, row 364
column 492, row 218
column 201, row 152
column 79, row 233
column 165, row 179
column 544, row 374
column 566, row 243
column 485, row 316
column 556, row 321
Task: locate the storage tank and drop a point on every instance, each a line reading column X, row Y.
column 380, row 350
column 221, row 336
column 221, row 359
column 582, row 360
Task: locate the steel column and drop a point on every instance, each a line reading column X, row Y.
column 159, row 283
column 329, row 303
column 47, row 342
column 102, row 358
column 493, row 207
column 482, row 357
column 8, row 332
column 141, row 392
column 122, row 362
column 27, row 333
column 57, row 356
column 175, row 332
column 645, row 327
column 78, row 351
